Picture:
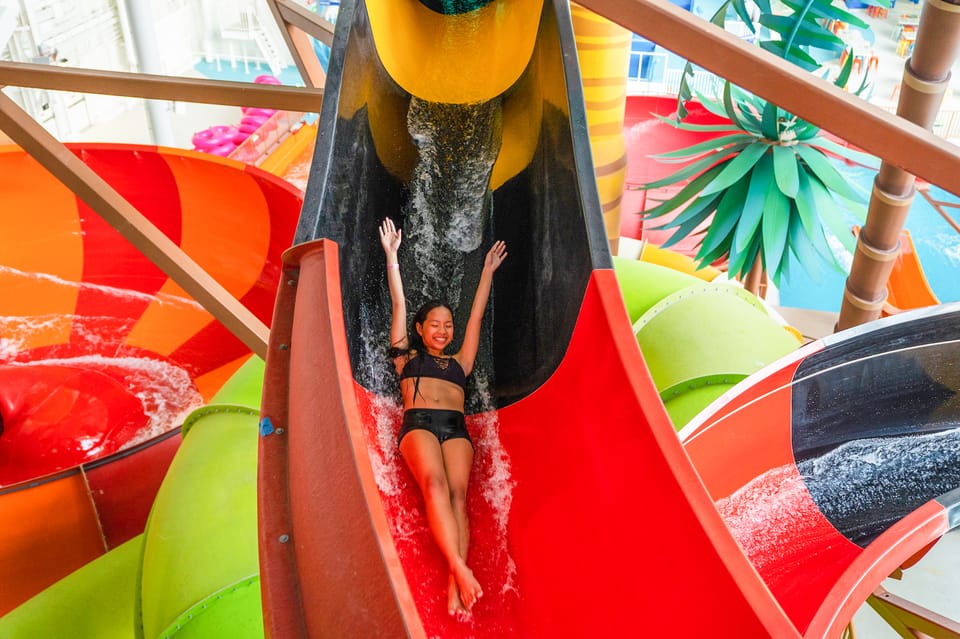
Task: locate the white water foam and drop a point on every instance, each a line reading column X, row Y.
column 863, row 482
column 165, row 390
column 867, row 484
column 111, row 291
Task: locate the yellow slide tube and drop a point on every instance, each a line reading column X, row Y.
column 448, row 58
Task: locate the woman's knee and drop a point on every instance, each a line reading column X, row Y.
column 458, row 497
column 434, row 485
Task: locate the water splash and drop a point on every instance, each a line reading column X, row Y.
column 458, row 146
column 861, row 487
column 166, row 391
column 866, row 485
column 111, row 291
column 773, row 518
column 81, row 333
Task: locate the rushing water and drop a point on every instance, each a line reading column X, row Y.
column 444, row 226
column 861, row 487
column 163, row 389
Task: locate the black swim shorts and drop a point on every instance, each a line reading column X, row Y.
column 444, row 424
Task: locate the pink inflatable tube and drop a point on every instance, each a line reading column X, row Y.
column 213, row 137
column 250, row 124
column 224, row 149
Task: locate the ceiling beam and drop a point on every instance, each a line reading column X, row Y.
column 160, row 87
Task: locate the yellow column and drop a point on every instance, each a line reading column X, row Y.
column 604, row 52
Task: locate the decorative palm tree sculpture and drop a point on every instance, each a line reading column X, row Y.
column 768, row 183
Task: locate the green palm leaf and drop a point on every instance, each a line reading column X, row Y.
column 830, row 215
column 785, row 169
column 737, row 167
column 760, row 182
column 803, row 249
column 779, row 205
column 725, row 218
column 770, row 125
column 742, row 261
column 845, row 71
column 806, row 34
column 687, row 126
column 865, row 159
column 712, row 146
column 740, row 7
column 828, row 174
column 705, row 206
column 827, row 11
column 735, row 115
column 810, row 222
column 794, row 54
column 776, row 219
column 713, row 106
column 691, row 169
column 683, row 195
column 698, row 210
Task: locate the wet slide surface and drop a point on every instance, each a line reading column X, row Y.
column 101, row 354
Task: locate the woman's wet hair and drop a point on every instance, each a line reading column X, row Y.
column 414, row 341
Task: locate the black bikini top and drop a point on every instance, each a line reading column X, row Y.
column 425, row 365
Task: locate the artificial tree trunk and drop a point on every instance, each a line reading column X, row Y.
column 926, row 76
column 756, row 279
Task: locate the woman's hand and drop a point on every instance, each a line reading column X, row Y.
column 389, row 237
column 495, row 256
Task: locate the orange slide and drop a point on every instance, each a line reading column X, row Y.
column 101, row 354
column 908, row 286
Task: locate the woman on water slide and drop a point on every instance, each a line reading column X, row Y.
column 433, row 439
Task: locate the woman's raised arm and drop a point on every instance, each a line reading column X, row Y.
column 471, row 335
column 390, row 238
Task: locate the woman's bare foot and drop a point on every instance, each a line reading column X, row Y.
column 454, row 605
column 467, row 584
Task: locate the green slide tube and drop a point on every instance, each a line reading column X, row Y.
column 698, row 339
column 200, row 575
column 94, row 602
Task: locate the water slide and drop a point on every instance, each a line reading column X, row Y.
column 840, row 463
column 566, row 384
column 667, row 307
column 908, row 286
column 101, row 354
column 583, row 498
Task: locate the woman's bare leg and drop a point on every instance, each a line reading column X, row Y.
column 421, row 451
column 457, row 462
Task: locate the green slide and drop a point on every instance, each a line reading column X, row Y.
column 698, row 338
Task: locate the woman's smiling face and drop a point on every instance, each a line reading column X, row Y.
column 437, row 329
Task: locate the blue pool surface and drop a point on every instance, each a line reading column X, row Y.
column 224, row 70
column 937, row 244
